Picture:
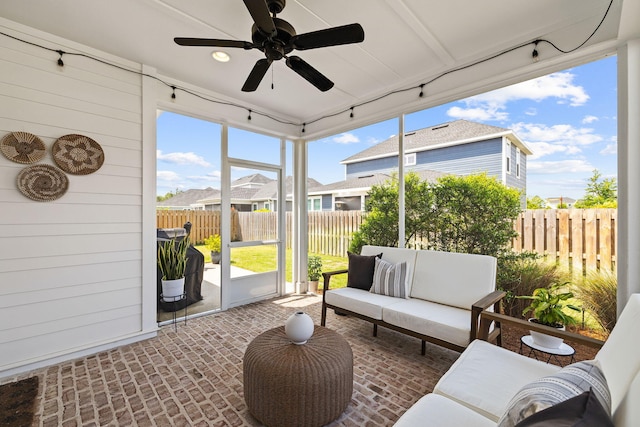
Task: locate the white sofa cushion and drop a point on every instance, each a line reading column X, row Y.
column 453, row 279
column 485, row 378
column 360, row 301
column 619, row 357
column 451, row 324
column 437, row 411
column 394, row 256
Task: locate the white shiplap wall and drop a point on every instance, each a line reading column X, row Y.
column 70, row 269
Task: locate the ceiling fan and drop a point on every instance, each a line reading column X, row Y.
column 277, row 38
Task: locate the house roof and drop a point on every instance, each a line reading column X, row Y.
column 189, row 197
column 451, row 133
column 256, row 178
column 266, row 191
column 367, row 181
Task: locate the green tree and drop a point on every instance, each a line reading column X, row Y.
column 599, row 193
column 472, row 214
column 536, row 202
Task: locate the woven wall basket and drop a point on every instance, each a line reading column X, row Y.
column 77, row 154
column 42, row 183
column 22, row 147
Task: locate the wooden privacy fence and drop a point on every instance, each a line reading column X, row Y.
column 579, row 239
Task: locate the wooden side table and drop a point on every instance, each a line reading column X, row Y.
column 298, row 385
column 565, row 350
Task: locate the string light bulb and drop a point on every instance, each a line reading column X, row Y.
column 351, row 115
column 303, row 127
column 534, row 54
column 249, row 118
column 173, row 93
column 421, row 90
column 60, row 61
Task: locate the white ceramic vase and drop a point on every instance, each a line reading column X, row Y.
column 172, row 290
column 299, row 327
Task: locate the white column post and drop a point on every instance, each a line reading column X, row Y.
column 299, row 239
column 628, row 251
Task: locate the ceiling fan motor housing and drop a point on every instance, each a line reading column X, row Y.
column 278, row 46
column 276, row 6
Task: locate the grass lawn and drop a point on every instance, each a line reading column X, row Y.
column 263, row 258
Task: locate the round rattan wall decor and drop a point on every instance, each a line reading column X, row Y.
column 77, row 154
column 42, row 183
column 22, row 147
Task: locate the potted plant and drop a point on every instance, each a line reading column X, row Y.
column 314, row 271
column 547, row 307
column 213, row 243
column 172, row 260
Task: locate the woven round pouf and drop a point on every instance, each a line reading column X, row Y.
column 298, row 385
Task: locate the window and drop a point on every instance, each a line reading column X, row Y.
column 254, row 206
column 410, row 159
column 508, row 157
column 518, row 162
column 267, row 206
column 314, row 204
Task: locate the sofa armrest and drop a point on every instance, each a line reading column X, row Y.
column 492, row 299
column 328, row 275
column 486, row 317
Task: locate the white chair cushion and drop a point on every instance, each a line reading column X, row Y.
column 360, row 301
column 451, row 324
column 453, row 279
column 485, row 378
column 394, row 256
column 437, row 411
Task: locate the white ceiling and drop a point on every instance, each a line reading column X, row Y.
column 407, row 43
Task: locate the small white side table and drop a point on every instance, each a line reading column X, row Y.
column 565, row 350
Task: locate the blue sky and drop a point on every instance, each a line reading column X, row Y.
column 568, row 119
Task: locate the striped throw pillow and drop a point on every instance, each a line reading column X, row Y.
column 389, row 279
column 546, row 392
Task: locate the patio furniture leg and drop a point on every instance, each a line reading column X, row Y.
column 323, row 318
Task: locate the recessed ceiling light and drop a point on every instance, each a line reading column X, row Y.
column 220, row 56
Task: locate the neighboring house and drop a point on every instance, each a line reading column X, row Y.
column 460, row 147
column 554, row 202
column 255, row 192
column 188, row 199
column 351, row 194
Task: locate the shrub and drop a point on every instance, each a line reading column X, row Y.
column 314, row 267
column 598, row 293
column 213, row 243
column 520, row 274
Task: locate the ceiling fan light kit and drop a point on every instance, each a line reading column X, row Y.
column 276, row 38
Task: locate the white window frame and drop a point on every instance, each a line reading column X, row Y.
column 508, row 158
column 254, row 207
column 517, row 162
column 310, row 203
column 410, row 159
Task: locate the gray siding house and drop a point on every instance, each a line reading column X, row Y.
column 460, row 147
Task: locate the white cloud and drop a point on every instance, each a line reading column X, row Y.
column 492, row 105
column 558, row 167
column 346, row 138
column 168, row 176
column 478, row 113
column 610, row 149
column 589, row 119
column 531, row 112
column 372, row 140
column 561, row 138
column 182, row 158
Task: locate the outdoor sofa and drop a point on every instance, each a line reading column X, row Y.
column 489, row 385
column 439, row 300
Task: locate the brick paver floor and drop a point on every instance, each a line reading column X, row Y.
column 193, row 376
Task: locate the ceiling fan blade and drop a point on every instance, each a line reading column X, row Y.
column 309, row 73
column 260, row 14
column 190, row 41
column 346, row 34
column 256, row 75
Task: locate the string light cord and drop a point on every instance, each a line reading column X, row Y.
column 350, row 109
